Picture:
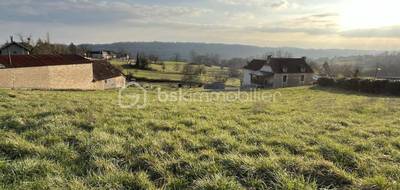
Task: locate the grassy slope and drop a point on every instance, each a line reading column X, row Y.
column 307, row 139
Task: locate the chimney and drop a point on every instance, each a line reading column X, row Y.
column 269, row 57
column 304, row 58
column 12, row 39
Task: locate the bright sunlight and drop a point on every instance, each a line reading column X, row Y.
column 357, row 14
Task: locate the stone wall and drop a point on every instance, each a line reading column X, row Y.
column 71, row 77
column 78, row 77
column 116, row 82
column 293, row 79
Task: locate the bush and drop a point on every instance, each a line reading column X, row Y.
column 326, row 82
column 393, row 87
column 363, row 85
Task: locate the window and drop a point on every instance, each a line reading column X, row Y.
column 284, row 69
column 302, row 69
column 284, row 79
column 302, row 78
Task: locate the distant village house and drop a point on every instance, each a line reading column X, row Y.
column 58, row 72
column 15, row 48
column 277, row 73
column 102, row 54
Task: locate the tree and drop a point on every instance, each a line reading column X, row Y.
column 141, row 61
column 327, row 69
column 201, row 69
column 234, row 73
column 356, row 73
column 42, row 47
column 177, row 67
column 163, row 66
column 235, row 63
column 221, row 76
column 72, row 49
column 25, row 39
column 177, row 57
column 153, row 58
column 279, row 54
column 191, row 75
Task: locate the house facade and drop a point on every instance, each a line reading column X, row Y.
column 277, row 73
column 102, row 54
column 15, row 48
column 58, row 72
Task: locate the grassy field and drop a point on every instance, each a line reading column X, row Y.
column 307, row 139
column 172, row 72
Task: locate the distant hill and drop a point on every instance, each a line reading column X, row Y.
column 167, row 50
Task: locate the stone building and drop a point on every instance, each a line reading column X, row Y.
column 58, row 72
column 277, row 73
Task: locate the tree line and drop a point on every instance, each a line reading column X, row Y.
column 386, row 64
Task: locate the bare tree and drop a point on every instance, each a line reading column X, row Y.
column 191, row 75
column 177, row 57
column 153, row 58
column 278, row 54
column 221, row 76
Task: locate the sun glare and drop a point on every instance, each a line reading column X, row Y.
column 358, row 14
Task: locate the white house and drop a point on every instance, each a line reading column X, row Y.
column 277, row 73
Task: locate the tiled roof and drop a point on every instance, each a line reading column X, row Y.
column 101, row 69
column 25, row 46
column 17, row 61
column 256, row 64
column 104, row 70
column 279, row 65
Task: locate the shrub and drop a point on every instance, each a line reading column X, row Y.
column 326, row 82
column 393, row 87
column 363, row 85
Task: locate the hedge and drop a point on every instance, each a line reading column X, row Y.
column 363, row 85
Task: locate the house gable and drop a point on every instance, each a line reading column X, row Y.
column 266, row 68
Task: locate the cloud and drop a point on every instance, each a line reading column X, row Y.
column 317, row 24
column 384, row 32
column 87, row 11
column 276, row 4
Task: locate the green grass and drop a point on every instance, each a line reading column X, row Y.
column 172, row 72
column 307, row 139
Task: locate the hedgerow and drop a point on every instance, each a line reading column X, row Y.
column 363, row 85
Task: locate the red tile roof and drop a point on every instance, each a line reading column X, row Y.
column 17, row 61
column 101, row 69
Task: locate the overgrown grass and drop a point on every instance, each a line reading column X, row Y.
column 307, row 139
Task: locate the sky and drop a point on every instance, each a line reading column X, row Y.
column 343, row 24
